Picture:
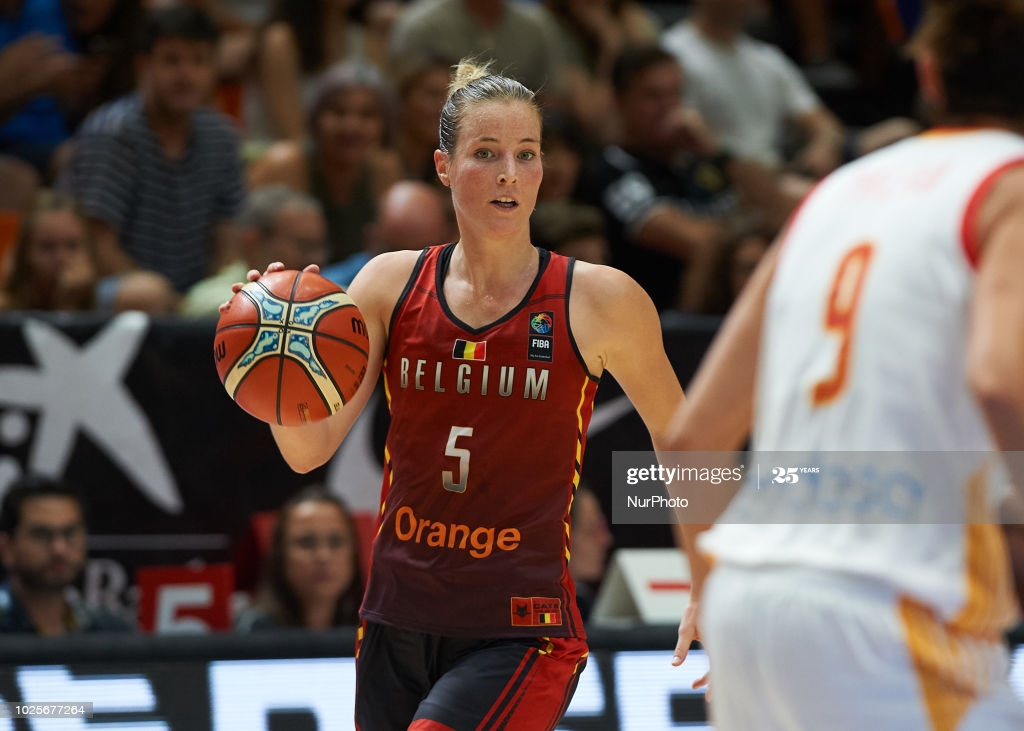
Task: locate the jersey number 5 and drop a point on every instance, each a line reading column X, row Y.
column 447, row 476
column 840, row 317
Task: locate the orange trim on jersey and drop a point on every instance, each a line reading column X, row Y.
column 576, row 472
column 568, row 527
column 944, row 665
column 387, row 388
column 581, row 435
column 360, row 632
column 968, row 226
column 385, row 489
column 990, row 605
column 948, row 130
column 425, row 724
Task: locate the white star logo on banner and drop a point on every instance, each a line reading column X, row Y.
column 80, row 388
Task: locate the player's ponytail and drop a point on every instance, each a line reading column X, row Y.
column 472, row 82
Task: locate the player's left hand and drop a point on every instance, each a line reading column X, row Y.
column 688, row 632
column 254, row 274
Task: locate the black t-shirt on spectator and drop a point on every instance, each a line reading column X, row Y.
column 628, row 188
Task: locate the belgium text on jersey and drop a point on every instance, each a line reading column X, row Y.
column 475, row 378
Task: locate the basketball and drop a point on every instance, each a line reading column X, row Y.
column 291, row 348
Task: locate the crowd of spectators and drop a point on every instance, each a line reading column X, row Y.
column 153, row 151
column 139, row 129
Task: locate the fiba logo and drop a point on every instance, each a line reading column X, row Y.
column 782, row 475
column 541, row 323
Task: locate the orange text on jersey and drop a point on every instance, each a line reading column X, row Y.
column 480, row 541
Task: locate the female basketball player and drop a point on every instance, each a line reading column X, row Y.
column 885, row 336
column 491, row 351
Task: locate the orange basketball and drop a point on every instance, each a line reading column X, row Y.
column 291, row 348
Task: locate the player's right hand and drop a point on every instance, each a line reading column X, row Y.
column 254, row 274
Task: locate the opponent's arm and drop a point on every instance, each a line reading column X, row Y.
column 995, row 338
column 375, row 290
column 718, row 414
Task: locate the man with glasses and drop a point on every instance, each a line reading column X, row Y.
column 43, row 547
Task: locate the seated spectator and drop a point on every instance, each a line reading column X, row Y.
column 301, row 40
column 159, row 173
column 669, row 193
column 36, row 65
column 748, row 91
column 733, row 263
column 591, row 542
column 564, row 151
column 422, row 92
column 276, row 224
column 346, row 165
column 591, row 34
column 519, row 39
column 43, row 545
column 104, row 32
column 54, row 264
column 313, row 577
column 751, row 94
column 412, row 215
column 571, row 229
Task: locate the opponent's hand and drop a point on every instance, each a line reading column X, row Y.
column 688, row 632
column 254, row 274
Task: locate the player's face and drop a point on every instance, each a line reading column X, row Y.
column 59, row 239
column 349, row 126
column 591, row 539
column 299, row 238
column 179, row 74
column 319, row 552
column 47, row 550
column 495, row 170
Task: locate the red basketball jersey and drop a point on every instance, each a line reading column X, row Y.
column 483, row 456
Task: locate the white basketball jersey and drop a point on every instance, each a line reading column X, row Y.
column 863, row 352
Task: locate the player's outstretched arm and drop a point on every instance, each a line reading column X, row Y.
column 995, row 340
column 618, row 330
column 375, row 290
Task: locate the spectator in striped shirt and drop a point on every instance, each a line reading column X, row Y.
column 158, row 172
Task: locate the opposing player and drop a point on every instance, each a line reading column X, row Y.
column 491, row 351
column 890, row 317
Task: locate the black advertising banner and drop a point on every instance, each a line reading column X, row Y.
column 130, row 409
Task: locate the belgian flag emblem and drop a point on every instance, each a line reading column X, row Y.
column 466, row 350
